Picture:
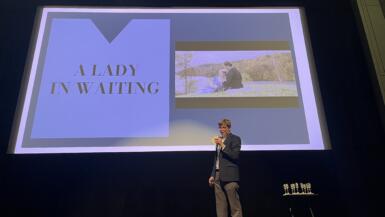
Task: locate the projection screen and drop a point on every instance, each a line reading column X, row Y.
column 157, row 79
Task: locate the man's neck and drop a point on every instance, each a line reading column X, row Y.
column 225, row 135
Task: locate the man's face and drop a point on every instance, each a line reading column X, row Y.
column 224, row 130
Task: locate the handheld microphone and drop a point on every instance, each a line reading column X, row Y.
column 215, row 137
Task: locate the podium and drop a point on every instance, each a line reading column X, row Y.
column 301, row 205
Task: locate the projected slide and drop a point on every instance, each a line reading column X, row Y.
column 129, row 80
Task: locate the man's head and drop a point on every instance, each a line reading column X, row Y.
column 224, row 127
column 227, row 64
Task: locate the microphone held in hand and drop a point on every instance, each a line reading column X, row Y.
column 214, row 138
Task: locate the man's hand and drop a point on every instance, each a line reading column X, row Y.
column 211, row 181
column 219, row 142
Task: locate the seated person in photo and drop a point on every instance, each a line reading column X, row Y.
column 233, row 77
column 219, row 80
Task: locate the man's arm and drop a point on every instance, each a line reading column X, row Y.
column 213, row 169
column 229, row 79
column 233, row 150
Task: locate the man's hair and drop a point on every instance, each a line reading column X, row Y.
column 227, row 63
column 226, row 122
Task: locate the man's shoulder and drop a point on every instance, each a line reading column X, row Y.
column 232, row 70
column 233, row 136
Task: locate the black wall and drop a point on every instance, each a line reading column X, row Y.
column 348, row 178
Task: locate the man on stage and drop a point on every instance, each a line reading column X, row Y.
column 225, row 174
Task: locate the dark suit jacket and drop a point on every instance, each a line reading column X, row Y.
column 229, row 159
column 233, row 79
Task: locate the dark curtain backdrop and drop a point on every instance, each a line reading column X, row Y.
column 348, row 178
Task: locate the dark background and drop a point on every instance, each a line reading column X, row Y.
column 348, row 178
